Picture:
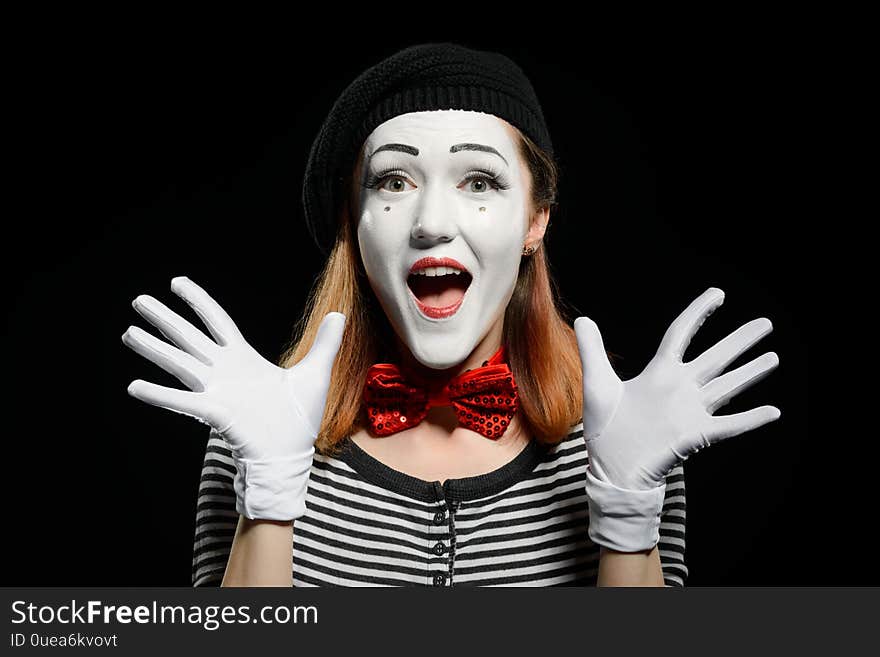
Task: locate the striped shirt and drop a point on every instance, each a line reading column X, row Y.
column 366, row 524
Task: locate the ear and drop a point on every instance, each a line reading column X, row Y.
column 537, row 227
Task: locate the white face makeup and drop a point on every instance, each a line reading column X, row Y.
column 444, row 184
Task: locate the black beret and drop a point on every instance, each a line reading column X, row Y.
column 423, row 77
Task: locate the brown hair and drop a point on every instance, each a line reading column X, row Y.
column 540, row 342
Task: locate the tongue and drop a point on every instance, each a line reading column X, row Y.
column 439, row 291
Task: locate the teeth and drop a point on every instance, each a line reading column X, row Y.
column 437, row 271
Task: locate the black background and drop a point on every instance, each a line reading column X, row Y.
column 145, row 156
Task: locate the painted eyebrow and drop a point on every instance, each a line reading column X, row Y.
column 403, row 148
column 476, row 147
column 412, row 150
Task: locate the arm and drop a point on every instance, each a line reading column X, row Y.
column 663, row 565
column 262, row 554
column 242, row 552
column 637, row 432
column 265, row 418
column 629, row 568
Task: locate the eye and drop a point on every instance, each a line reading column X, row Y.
column 480, row 182
column 477, row 182
column 395, row 179
column 396, row 183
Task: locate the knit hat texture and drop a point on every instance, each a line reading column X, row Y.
column 423, row 77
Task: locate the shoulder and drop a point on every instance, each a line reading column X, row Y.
column 564, row 459
column 573, row 440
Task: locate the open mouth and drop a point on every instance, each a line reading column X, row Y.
column 439, row 291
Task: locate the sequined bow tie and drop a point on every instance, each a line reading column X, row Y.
column 484, row 398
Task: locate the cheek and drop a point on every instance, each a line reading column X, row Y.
column 368, row 241
column 388, row 230
column 378, row 241
column 497, row 240
column 499, row 231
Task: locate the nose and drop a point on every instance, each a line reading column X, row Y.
column 435, row 219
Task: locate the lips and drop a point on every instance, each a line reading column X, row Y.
column 438, row 286
column 424, row 263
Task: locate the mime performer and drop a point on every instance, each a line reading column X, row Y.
column 437, row 419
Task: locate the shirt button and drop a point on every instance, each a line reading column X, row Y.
column 439, row 548
column 439, row 579
column 439, row 517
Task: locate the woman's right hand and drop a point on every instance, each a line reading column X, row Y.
column 268, row 415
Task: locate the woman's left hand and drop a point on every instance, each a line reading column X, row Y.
column 636, row 431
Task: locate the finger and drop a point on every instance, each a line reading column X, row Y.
column 727, row 426
column 316, row 369
column 219, row 323
column 718, row 392
column 715, row 359
column 327, row 340
column 176, row 328
column 601, row 383
column 678, row 336
column 191, row 372
column 193, row 404
column 317, row 364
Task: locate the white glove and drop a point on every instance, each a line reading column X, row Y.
column 268, row 415
column 636, row 431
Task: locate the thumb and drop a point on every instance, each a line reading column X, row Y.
column 318, row 363
column 601, row 383
column 327, row 341
column 310, row 377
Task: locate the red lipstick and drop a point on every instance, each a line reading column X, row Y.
column 438, row 313
column 422, row 263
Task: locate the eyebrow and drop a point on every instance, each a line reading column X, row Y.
column 412, row 150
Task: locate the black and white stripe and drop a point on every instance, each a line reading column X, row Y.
column 366, row 524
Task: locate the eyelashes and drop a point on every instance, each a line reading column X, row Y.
column 373, row 179
column 496, row 178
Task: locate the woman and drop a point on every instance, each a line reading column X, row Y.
column 438, row 421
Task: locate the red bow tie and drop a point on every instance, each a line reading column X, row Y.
column 485, row 398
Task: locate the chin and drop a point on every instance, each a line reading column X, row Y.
column 440, row 353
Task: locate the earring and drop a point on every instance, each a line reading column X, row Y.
column 482, row 209
column 387, row 208
column 528, row 250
